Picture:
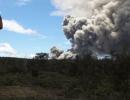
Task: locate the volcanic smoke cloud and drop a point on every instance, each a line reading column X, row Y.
column 96, row 26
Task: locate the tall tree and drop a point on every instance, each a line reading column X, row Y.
column 42, row 56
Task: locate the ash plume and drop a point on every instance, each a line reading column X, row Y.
column 55, row 52
column 60, row 54
column 96, row 26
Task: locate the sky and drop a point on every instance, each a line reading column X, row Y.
column 30, row 26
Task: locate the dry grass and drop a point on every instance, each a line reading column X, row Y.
column 32, row 93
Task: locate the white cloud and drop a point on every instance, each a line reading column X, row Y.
column 62, row 7
column 23, row 2
column 14, row 26
column 7, row 50
column 72, row 7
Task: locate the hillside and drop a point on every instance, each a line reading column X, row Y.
column 81, row 79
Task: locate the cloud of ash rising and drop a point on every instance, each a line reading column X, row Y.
column 60, row 54
column 97, row 26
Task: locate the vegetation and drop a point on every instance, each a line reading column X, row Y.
column 80, row 79
column 41, row 56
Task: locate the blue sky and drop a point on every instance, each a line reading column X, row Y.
column 29, row 28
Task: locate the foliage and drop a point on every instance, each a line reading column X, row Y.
column 88, row 78
column 41, row 56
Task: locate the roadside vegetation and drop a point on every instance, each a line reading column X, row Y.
column 80, row 79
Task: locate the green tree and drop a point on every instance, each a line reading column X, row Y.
column 42, row 56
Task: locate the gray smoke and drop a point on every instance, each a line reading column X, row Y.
column 96, row 26
column 60, row 54
column 55, row 52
